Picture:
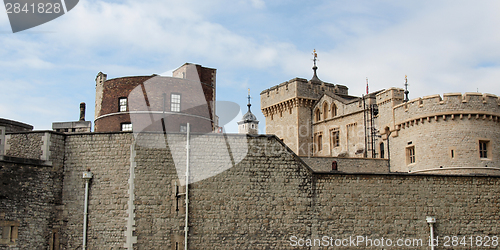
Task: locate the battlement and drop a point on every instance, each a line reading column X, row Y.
column 298, row 87
column 391, row 94
column 448, row 104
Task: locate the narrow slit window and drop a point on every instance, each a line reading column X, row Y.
column 410, row 155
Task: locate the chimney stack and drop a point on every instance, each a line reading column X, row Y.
column 82, row 111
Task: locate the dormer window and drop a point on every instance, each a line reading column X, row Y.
column 123, row 104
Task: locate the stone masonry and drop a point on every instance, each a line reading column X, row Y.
column 450, row 134
column 246, row 192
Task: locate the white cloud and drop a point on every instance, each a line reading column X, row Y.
column 443, row 46
column 259, row 4
column 438, row 47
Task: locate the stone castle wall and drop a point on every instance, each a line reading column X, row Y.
column 267, row 197
column 44, row 147
column 108, row 157
column 395, row 207
column 434, row 141
column 454, row 104
column 247, row 192
column 445, row 133
column 386, row 101
column 348, row 165
column 30, row 200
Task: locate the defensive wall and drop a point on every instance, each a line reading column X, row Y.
column 13, row 126
column 386, row 100
column 452, row 105
column 347, row 165
column 31, row 171
column 446, row 133
column 298, row 87
column 252, row 193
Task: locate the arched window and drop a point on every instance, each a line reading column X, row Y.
column 382, row 150
column 334, row 110
column 317, row 114
column 325, row 110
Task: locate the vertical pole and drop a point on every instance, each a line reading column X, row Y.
column 389, row 150
column 186, row 227
column 87, row 176
column 432, row 235
column 364, row 120
column 85, row 212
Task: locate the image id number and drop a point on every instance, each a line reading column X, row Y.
column 41, row 8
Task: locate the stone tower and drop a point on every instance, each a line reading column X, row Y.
column 288, row 109
column 249, row 123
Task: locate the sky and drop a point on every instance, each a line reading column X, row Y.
column 443, row 47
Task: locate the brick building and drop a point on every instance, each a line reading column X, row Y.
column 157, row 103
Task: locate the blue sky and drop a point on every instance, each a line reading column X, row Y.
column 443, row 47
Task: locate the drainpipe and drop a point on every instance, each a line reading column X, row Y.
column 87, row 176
column 364, row 121
column 389, row 150
column 186, row 228
column 431, row 220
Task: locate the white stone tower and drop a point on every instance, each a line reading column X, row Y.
column 249, row 123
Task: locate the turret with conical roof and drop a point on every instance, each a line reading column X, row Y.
column 249, row 123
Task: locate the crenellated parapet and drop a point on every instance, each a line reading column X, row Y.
column 298, row 88
column 392, row 95
column 449, row 106
column 287, row 105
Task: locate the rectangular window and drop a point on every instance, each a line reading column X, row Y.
column 483, row 149
column 126, row 127
column 123, row 104
column 8, row 232
column 335, row 135
column 175, row 102
column 183, row 128
column 320, row 142
column 410, row 155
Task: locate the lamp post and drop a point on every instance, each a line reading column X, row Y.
column 87, row 176
column 431, row 220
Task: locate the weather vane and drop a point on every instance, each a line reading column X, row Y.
column 315, row 57
column 249, row 96
column 406, row 90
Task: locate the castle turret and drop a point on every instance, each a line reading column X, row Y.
column 249, row 123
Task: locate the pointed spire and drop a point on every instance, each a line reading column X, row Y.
column 249, row 123
column 406, row 90
column 315, row 76
column 367, row 86
column 249, row 104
